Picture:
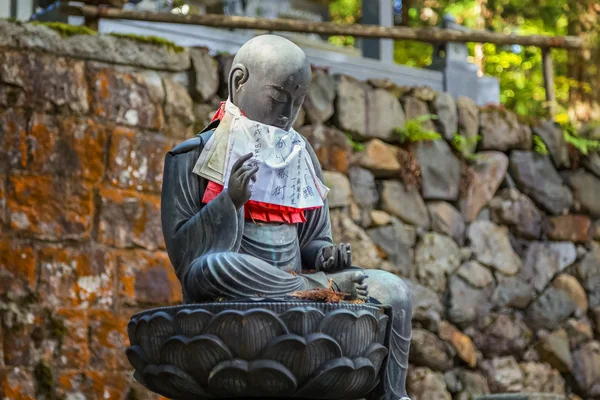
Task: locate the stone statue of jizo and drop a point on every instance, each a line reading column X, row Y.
column 222, row 243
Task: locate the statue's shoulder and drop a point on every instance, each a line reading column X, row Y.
column 195, row 144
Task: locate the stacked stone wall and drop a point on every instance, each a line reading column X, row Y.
column 500, row 244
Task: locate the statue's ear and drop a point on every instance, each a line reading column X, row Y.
column 237, row 76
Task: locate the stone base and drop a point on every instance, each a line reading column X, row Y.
column 521, row 396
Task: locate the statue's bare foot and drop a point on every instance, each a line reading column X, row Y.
column 351, row 282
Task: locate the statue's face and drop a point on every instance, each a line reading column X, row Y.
column 273, row 95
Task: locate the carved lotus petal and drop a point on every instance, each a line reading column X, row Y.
column 137, row 358
column 152, row 332
column 301, row 355
column 172, row 382
column 302, row 320
column 341, row 378
column 196, row 356
column 192, row 322
column 246, row 333
column 382, row 328
column 131, row 327
column 376, row 354
column 354, row 331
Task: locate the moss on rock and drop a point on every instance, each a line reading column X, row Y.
column 155, row 40
column 66, row 30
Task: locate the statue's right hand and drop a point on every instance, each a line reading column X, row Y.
column 239, row 181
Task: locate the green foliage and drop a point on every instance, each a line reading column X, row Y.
column 539, row 146
column 150, row 40
column 463, row 144
column 356, row 146
column 66, row 30
column 344, row 12
column 583, row 145
column 413, row 130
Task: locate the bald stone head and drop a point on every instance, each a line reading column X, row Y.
column 269, row 80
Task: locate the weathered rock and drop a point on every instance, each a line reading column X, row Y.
column 179, row 110
column 500, row 130
column 351, row 106
column 406, row 204
column 592, row 163
column 512, row 292
column 440, row 170
column 225, row 62
column 423, row 93
column 43, row 82
column 108, row 340
column 340, row 192
column 488, row 172
column 380, row 158
column 444, row 107
column 570, row 285
column 549, row 310
column 574, row 228
column 427, row 350
column 344, row 230
column 514, row 209
column 319, row 99
column 436, row 257
column 537, row 178
column 492, row 247
column 586, row 368
column 414, row 108
column 17, row 269
column 330, row 145
column 427, row 307
column 396, row 242
column 125, row 97
column 453, row 384
column 424, row 384
column 541, row 378
column 475, row 274
column 473, row 383
column 465, row 302
column 503, row 375
column 594, row 233
column 544, row 260
column 206, row 70
column 588, row 273
column 19, row 383
column 555, row 350
column 579, row 331
column 384, row 114
column 468, row 122
column 203, row 114
column 364, row 192
column 380, row 218
column 585, row 188
column 446, row 219
column 462, row 344
column 553, row 138
column 105, row 48
column 501, row 335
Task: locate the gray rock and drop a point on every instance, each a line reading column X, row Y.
column 446, row 219
column 537, row 178
column 585, row 187
column 588, row 273
column 427, row 350
column 380, row 218
column 340, row 192
column 579, row 331
column 179, row 110
column 225, row 62
column 414, row 108
column 512, row 292
column 203, row 113
column 500, row 130
column 440, row 170
column 344, row 230
column 487, row 175
column 380, row 158
column 330, row 145
column 453, row 383
column 319, row 99
column 396, row 240
column 543, row 260
column 436, row 257
column 554, row 139
column 406, row 204
column 364, row 193
column 465, row 302
column 468, row 122
column 541, row 378
column 351, row 106
column 206, row 70
column 384, row 114
column 424, row 93
column 503, row 374
column 586, row 368
column 592, row 163
column 571, row 286
column 475, row 274
column 501, row 335
column 492, row 247
column 514, row 209
column 549, row 310
column 473, row 383
column 555, row 350
column 424, row 384
column 104, row 48
column 445, row 108
column 427, row 307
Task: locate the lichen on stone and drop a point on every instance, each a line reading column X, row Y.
column 155, row 40
column 66, row 30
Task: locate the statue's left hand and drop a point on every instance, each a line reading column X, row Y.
column 335, row 258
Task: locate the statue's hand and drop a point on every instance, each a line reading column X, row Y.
column 334, row 258
column 239, row 181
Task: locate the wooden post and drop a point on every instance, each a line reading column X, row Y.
column 549, row 82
